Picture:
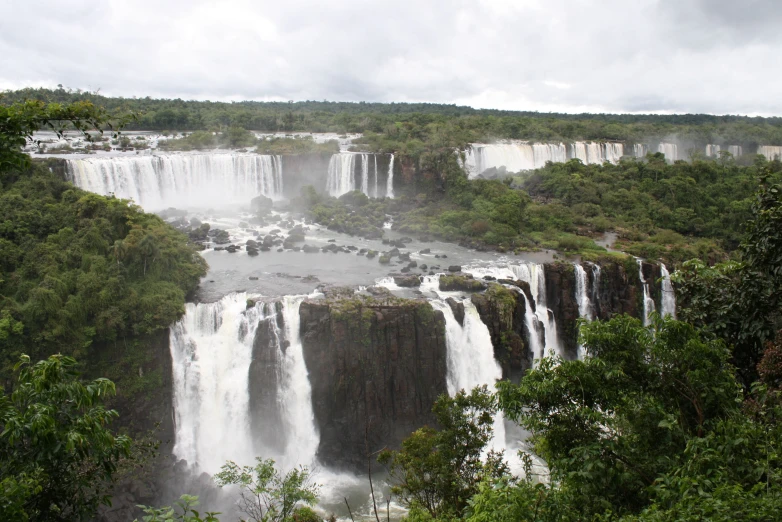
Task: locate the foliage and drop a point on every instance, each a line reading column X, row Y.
column 295, row 145
column 57, row 453
column 741, row 302
column 78, row 269
column 19, row 121
column 266, row 495
column 439, row 470
column 186, row 503
column 609, row 425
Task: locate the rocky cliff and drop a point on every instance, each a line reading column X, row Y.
column 376, row 366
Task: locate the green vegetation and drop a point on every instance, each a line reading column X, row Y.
column 296, row 145
column 183, row 511
column 437, row 471
column 266, row 495
column 57, row 454
column 402, row 127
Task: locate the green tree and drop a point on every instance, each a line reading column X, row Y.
column 610, row 425
column 182, row 511
column 58, row 455
column 439, row 470
column 266, row 495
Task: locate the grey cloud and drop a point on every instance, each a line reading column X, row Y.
column 611, row 55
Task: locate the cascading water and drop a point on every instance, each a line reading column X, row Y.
column 670, row 150
column 212, row 349
column 712, row 150
column 375, row 193
column 534, row 274
column 341, row 174
column 648, row 301
column 585, row 308
column 639, row 150
column 365, row 174
column 736, row 150
column 668, row 303
column 471, row 359
column 596, row 153
column 180, row 180
column 770, row 151
column 390, row 179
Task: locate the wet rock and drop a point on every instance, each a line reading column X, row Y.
column 461, row 283
column 253, row 278
column 407, row 281
column 412, row 264
column 457, row 307
column 454, row 268
column 425, row 251
column 309, row 249
column 384, row 259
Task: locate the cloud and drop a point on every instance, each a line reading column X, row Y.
column 553, row 55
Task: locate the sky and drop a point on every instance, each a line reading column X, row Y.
column 662, row 56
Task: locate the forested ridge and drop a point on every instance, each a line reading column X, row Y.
column 419, row 120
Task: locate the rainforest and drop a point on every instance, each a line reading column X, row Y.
column 363, row 311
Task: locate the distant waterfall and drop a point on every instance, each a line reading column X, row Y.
column 648, row 301
column 670, row 150
column 212, row 350
column 180, row 180
column 534, row 274
column 341, row 175
column 374, row 192
column 390, row 179
column 736, row 150
column 713, row 150
column 639, row 150
column 668, row 303
column 365, row 174
column 516, row 156
column 770, row 151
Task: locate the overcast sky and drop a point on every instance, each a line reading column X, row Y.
column 714, row 56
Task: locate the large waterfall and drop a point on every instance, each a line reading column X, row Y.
column 345, row 167
column 668, row 304
column 517, row 156
column 390, row 179
column 181, row 180
column 770, row 151
column 213, row 348
column 670, row 150
column 648, row 301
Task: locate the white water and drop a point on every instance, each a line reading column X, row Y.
column 586, row 309
column 668, row 303
column 516, row 156
column 181, row 180
column 648, row 301
column 770, row 151
column 374, row 192
column 713, row 150
column 341, row 175
column 211, row 350
column 390, row 179
column 471, row 359
column 365, row 174
column 639, row 150
column 670, row 150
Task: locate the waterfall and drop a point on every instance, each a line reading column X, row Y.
column 365, row 174
column 374, row 192
column 513, row 155
column 770, row 151
column 390, row 179
column 668, row 304
column 595, row 286
column 713, row 150
column 585, row 306
column 736, row 150
column 639, row 150
column 212, row 350
column 341, row 175
column 180, row 180
column 471, row 359
column 670, row 150
column 597, row 153
column 534, row 274
column 533, row 327
column 648, row 301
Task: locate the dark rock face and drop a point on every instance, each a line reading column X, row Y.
column 460, row 282
column 457, row 308
column 562, row 301
column 375, row 364
column 618, row 290
column 502, row 310
column 264, row 378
